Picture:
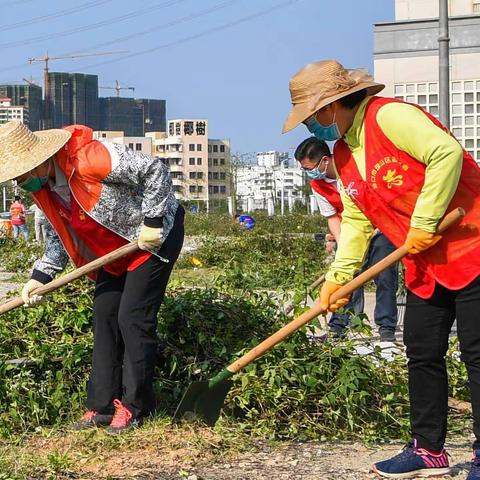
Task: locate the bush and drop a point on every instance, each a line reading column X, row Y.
column 299, row 390
column 224, row 225
column 255, row 260
column 17, row 255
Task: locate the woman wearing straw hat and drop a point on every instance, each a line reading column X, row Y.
column 401, row 171
column 97, row 197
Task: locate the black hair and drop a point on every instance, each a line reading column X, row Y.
column 18, row 198
column 312, row 147
column 352, row 100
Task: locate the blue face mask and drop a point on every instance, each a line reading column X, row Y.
column 329, row 134
column 316, row 174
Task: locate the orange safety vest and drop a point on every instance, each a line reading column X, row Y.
column 85, row 162
column 388, row 196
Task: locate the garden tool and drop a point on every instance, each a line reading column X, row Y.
column 69, row 277
column 204, row 400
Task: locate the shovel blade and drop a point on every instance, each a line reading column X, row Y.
column 204, row 401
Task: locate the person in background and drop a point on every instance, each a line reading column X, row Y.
column 401, row 170
column 40, row 222
column 18, row 218
column 113, row 196
column 247, row 222
column 316, row 160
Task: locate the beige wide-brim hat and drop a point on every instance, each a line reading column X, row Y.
column 320, row 83
column 21, row 150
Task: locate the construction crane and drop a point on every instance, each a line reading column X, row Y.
column 46, row 59
column 117, row 87
column 30, row 82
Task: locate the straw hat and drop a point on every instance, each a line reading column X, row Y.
column 321, row 83
column 21, row 150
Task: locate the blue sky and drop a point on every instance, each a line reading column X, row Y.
column 227, row 60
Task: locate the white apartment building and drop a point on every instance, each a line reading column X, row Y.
column 271, row 178
column 406, row 60
column 9, row 112
column 184, row 147
column 138, row 144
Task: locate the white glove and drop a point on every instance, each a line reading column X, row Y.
column 150, row 238
column 27, row 289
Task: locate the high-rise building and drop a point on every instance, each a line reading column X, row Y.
column 72, row 98
column 406, row 60
column 154, row 114
column 27, row 96
column 123, row 114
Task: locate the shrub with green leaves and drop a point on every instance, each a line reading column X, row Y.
column 225, row 225
column 257, row 260
column 17, row 256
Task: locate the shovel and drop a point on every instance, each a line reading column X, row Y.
column 69, row 277
column 204, row 400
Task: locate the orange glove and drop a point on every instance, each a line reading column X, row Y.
column 326, row 292
column 419, row 240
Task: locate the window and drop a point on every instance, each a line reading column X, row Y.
column 209, row 175
column 192, row 175
column 199, row 189
column 210, row 189
column 223, row 175
column 215, row 175
column 469, row 108
column 177, row 188
column 130, row 145
column 191, row 161
column 104, row 135
column 222, row 148
column 209, row 148
column 199, row 147
column 192, row 189
column 476, row 6
column 199, row 161
column 215, row 162
column 138, row 146
column 223, row 189
column 191, row 147
column 222, row 161
column 200, row 175
column 215, row 189
column 209, row 162
column 171, row 129
column 215, row 148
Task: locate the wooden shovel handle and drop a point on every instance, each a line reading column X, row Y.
column 450, row 219
column 69, row 277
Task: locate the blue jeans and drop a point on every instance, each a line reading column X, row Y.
column 385, row 313
column 23, row 229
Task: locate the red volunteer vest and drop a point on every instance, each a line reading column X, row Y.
column 330, row 192
column 83, row 238
column 388, row 196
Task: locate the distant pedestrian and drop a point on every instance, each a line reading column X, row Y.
column 247, row 222
column 41, row 223
column 18, row 218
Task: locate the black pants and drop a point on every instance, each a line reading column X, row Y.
column 426, row 330
column 125, row 312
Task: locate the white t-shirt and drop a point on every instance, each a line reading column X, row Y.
column 324, row 206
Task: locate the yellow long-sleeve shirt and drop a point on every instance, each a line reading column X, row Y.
column 413, row 132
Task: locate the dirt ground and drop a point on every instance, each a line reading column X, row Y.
column 297, row 461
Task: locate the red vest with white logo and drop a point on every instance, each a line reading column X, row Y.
column 388, row 196
column 329, row 191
